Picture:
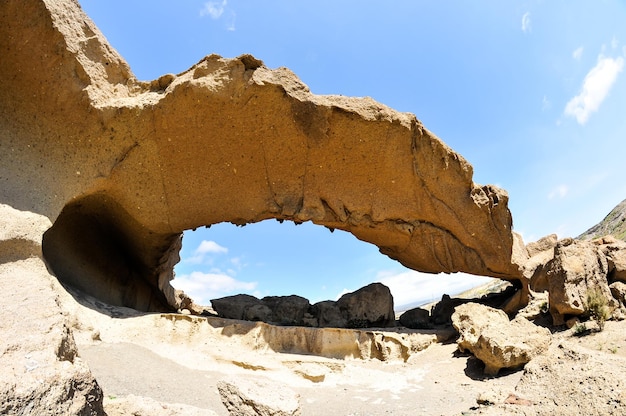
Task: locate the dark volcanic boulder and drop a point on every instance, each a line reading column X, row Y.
column 328, row 315
column 287, row 310
column 416, row 318
column 234, row 307
column 370, row 306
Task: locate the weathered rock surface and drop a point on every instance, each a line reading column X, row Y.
column 256, row 397
column 287, row 310
column 568, row 380
column 145, row 406
column 41, row 371
column 328, row 314
column 615, row 252
column 368, row 307
column 122, row 167
column 577, row 267
column 535, row 269
column 499, row 343
column 236, row 306
column 416, row 318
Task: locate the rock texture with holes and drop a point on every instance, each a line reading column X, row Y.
column 499, row 343
column 122, row 167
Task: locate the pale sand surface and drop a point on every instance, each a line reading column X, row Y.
column 181, row 360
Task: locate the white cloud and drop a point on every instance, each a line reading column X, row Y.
column 231, row 25
column 560, row 191
column 202, row 287
column 214, row 9
column 614, row 43
column 595, row 88
column 412, row 288
column 578, row 53
column 207, row 247
column 545, row 104
column 526, row 26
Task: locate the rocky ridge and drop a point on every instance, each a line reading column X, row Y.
column 613, row 224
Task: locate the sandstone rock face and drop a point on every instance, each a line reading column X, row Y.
column 248, row 397
column 122, row 167
column 540, row 253
column 577, row 267
column 615, row 252
column 492, row 338
column 41, row 372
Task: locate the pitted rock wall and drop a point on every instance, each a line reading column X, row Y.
column 82, row 141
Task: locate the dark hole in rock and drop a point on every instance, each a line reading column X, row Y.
column 93, row 246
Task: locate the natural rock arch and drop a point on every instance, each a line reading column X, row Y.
column 122, row 167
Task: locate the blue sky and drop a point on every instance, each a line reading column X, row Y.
column 531, row 93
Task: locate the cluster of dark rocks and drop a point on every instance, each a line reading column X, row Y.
column 368, row 307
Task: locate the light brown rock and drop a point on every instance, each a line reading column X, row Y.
column 569, row 381
column 92, row 148
column 145, row 406
column 615, row 252
column 618, row 290
column 41, row 371
column 499, row 343
column 258, row 397
column 541, row 252
column 578, row 266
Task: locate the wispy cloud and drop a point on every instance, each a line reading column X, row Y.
column 205, row 248
column 202, row 287
column 526, row 24
column 213, row 9
column 595, row 88
column 219, row 9
column 560, row 191
column 578, row 53
column 545, row 103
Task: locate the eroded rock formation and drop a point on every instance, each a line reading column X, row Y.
column 249, row 397
column 41, row 371
column 122, row 167
column 368, row 307
column 496, row 341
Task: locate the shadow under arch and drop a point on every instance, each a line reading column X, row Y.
column 95, row 246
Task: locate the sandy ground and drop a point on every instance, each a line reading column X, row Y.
column 180, row 360
column 435, row 383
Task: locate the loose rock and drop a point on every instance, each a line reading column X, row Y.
column 497, row 342
column 255, row 397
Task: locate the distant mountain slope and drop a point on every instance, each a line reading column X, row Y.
column 614, row 224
